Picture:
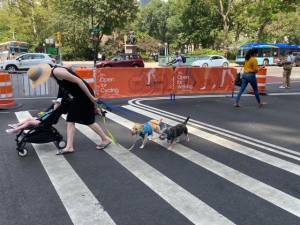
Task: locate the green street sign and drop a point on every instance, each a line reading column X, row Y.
column 52, row 51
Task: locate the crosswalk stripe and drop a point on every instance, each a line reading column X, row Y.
column 272, row 160
column 81, row 205
column 262, row 190
column 187, row 204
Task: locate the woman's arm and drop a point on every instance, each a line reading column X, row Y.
column 63, row 74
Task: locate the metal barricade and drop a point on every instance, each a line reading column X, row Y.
column 23, row 89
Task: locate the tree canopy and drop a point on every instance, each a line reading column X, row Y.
column 216, row 24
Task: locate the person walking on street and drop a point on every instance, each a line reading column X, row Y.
column 287, row 70
column 249, row 76
column 82, row 108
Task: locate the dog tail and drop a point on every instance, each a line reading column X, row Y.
column 186, row 120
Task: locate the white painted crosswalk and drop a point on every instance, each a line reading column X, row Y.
column 183, row 201
column 81, row 205
column 254, row 186
column 84, row 207
column 251, row 152
column 221, row 131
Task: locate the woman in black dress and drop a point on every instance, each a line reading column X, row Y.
column 82, row 107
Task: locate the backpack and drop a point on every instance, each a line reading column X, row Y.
column 183, row 59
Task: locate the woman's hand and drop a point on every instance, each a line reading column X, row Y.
column 95, row 99
column 261, row 68
column 98, row 111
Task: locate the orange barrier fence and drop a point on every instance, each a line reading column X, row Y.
column 87, row 75
column 134, row 82
column 261, row 78
column 204, row 80
column 6, row 91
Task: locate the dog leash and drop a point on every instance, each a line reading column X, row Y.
column 102, row 115
column 105, row 105
column 102, row 104
column 112, row 137
column 110, row 107
column 132, row 146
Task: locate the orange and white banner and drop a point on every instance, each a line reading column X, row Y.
column 191, row 80
column 135, row 82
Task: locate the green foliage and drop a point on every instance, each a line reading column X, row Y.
column 147, row 43
column 154, row 19
column 107, row 15
column 207, row 51
column 176, row 22
column 200, row 23
column 4, row 25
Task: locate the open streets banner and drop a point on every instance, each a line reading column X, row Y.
column 142, row 82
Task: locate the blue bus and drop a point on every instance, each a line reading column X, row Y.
column 268, row 54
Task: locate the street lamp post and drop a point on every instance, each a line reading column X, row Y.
column 166, row 52
column 166, row 49
column 44, row 46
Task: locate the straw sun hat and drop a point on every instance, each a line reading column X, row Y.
column 39, row 74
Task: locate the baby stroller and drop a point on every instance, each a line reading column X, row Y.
column 44, row 132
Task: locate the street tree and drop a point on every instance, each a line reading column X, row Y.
column 104, row 15
column 201, row 23
column 154, row 18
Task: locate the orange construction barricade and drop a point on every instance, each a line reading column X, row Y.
column 6, row 91
column 87, row 75
column 261, row 78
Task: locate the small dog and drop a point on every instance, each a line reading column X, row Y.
column 172, row 134
column 145, row 131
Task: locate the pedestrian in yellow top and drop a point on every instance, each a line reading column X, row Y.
column 249, row 76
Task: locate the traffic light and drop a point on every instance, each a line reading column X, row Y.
column 58, row 37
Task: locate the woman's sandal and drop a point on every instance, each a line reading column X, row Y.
column 13, row 126
column 102, row 147
column 64, row 152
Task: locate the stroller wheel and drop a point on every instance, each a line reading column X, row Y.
column 23, row 152
column 61, row 144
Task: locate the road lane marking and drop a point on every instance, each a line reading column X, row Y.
column 272, row 160
column 260, row 189
column 211, row 96
column 184, row 202
column 240, row 137
column 81, row 205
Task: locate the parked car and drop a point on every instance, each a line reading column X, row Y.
column 122, row 60
column 25, row 61
column 211, row 61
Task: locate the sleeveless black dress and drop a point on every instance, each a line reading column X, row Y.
column 81, row 109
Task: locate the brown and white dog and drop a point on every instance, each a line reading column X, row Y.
column 145, row 131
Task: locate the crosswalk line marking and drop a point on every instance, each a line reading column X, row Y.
column 272, row 160
column 234, row 135
column 184, row 202
column 260, row 189
column 81, row 205
column 211, row 96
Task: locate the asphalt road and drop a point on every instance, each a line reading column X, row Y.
column 241, row 166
